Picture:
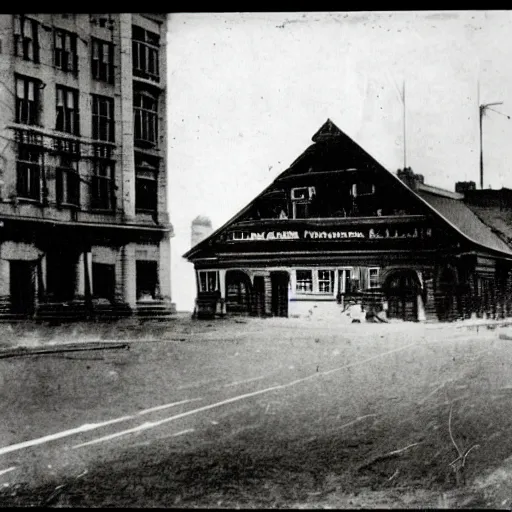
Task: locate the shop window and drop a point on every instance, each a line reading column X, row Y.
column 26, row 38
column 102, row 118
column 102, row 190
column 208, row 281
column 326, row 281
column 304, row 281
column 68, row 182
column 103, row 280
column 102, row 61
column 29, row 168
column 145, row 119
column 146, row 279
column 28, row 100
column 65, row 54
column 67, row 110
column 373, row 277
column 145, row 53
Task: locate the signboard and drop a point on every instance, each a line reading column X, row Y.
column 330, row 234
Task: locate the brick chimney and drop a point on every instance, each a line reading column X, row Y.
column 464, row 186
column 410, row 178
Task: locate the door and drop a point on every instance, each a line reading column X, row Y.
column 402, row 290
column 279, row 283
column 258, row 296
column 22, row 286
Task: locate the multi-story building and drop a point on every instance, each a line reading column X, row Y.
column 84, row 223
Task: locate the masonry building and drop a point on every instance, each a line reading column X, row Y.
column 337, row 228
column 84, row 225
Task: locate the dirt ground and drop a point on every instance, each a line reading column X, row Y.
column 379, row 434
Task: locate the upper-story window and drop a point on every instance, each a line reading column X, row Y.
column 363, row 189
column 102, row 118
column 67, row 110
column 145, row 53
column 28, row 100
column 26, row 38
column 302, row 197
column 102, row 20
column 146, row 184
column 29, row 166
column 102, row 60
column 65, row 54
column 68, row 182
column 145, row 119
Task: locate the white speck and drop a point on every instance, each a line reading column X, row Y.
column 7, row 485
column 50, row 466
column 291, row 367
column 215, row 422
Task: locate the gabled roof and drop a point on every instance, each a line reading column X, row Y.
column 465, row 220
column 329, row 139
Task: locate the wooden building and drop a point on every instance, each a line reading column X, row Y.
column 337, row 228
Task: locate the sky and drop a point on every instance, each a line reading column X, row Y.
column 247, row 91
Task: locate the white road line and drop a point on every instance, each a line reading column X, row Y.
column 129, row 431
column 166, row 406
column 146, row 426
column 87, row 427
column 84, row 428
column 3, row 471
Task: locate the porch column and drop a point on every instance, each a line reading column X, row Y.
column 80, row 277
column 421, row 309
column 87, row 259
column 221, row 306
column 129, row 271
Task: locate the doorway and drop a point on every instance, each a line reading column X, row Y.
column 279, row 299
column 238, row 292
column 22, row 286
column 402, row 288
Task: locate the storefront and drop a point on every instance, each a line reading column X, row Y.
column 337, row 229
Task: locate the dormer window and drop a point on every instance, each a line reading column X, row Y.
column 363, row 189
column 301, row 200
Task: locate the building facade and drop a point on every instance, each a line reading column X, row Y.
column 338, row 229
column 84, row 225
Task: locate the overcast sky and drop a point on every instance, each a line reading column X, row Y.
column 247, row 91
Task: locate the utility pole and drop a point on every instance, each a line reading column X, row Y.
column 482, row 109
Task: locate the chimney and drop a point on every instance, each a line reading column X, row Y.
column 410, row 178
column 464, row 186
column 201, row 228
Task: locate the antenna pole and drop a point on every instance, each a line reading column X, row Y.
column 405, row 133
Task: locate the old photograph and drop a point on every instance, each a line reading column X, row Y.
column 256, row 259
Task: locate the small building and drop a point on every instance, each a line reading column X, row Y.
column 336, row 229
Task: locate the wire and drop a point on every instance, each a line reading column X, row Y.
column 500, row 113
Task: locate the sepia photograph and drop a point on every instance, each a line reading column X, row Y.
column 256, row 259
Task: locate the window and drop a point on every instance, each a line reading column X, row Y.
column 65, row 54
column 146, row 277
column 304, row 281
column 102, row 118
column 208, row 281
column 102, row 192
column 102, row 61
column 29, row 169
column 28, row 100
column 146, row 185
column 67, row 110
column 326, row 281
column 301, row 200
column 145, row 46
column 145, row 114
column 26, row 42
column 373, row 277
column 363, row 189
column 68, row 182
column 102, row 20
column 344, row 280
